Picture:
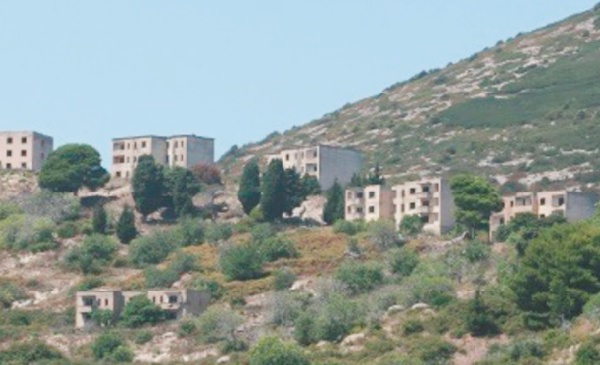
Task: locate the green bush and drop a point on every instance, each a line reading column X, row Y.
column 57, row 207
column 7, row 209
column 411, row 225
column 140, row 311
column 336, row 318
column 151, row 249
column 218, row 324
column 103, row 317
column 383, row 235
column 588, row 353
column 96, row 252
column 477, row 251
column 106, row 345
column 591, row 309
column 187, row 327
column 413, row 326
column 305, row 328
column 126, row 230
column 68, row 230
column 218, row 232
column 434, row 351
column 99, row 220
column 348, row 227
column 360, row 277
column 20, row 232
column 157, row 278
column 273, row 351
column 215, row 289
column 189, row 232
column 142, row 337
column 9, row 293
column 433, row 290
column 283, row 279
column 403, row 261
column 276, row 248
column 241, row 262
column 34, row 352
column 285, row 307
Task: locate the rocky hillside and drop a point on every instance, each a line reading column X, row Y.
column 524, row 110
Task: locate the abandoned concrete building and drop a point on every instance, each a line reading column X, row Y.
column 26, row 150
column 177, row 303
column 574, row 206
column 181, row 150
column 326, row 163
column 430, row 199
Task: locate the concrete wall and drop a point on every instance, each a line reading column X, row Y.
column 337, row 163
column 24, row 150
column 99, row 299
column 197, row 150
column 580, row 206
column 370, row 203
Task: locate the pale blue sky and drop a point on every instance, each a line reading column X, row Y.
column 87, row 71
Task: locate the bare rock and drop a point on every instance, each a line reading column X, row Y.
column 420, row 306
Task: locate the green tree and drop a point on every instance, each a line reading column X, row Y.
column 294, row 191
column 103, row 317
column 249, row 189
column 273, row 351
column 148, row 186
column 99, row 219
column 479, row 321
column 241, row 262
column 111, row 348
column 181, row 185
column 96, row 252
column 273, row 199
column 334, row 208
column 126, row 230
column 411, row 225
column 558, row 272
column 140, row 311
column 311, row 185
column 375, row 177
column 71, row 167
column 475, row 199
column 357, row 181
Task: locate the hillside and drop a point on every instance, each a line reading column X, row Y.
column 523, row 110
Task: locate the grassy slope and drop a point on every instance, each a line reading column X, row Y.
column 527, row 105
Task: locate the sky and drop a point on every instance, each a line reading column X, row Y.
column 87, row 71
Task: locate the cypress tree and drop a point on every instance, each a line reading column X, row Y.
column 334, row 208
column 273, row 199
column 294, row 191
column 148, row 186
column 99, row 219
column 126, row 230
column 249, row 190
column 181, row 185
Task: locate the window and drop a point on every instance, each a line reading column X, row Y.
column 512, row 203
column 426, row 188
column 360, row 195
column 134, row 145
column 402, row 208
column 561, row 201
column 88, row 301
column 359, row 210
column 175, row 158
column 287, row 157
column 24, row 140
column 24, row 153
column 176, row 144
column 402, row 193
column 413, row 191
column 436, row 187
column 143, row 144
column 173, row 298
column 128, row 145
column 349, row 210
column 182, row 159
column 8, row 166
column 153, row 299
column 425, row 203
column 24, row 165
column 413, row 206
column 371, row 194
column 543, row 201
column 106, row 302
column 9, row 140
column 161, row 299
column 118, row 174
column 371, row 209
column 8, row 153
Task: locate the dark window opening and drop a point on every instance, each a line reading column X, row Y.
column 173, row 298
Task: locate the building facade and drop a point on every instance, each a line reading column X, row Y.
column 182, row 150
column 24, row 150
column 177, row 303
column 326, row 163
column 429, row 199
column 574, row 206
column 369, row 203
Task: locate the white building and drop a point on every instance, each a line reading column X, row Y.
column 24, row 150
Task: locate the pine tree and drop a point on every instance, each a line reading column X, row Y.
column 249, row 190
column 334, row 208
column 294, row 191
column 148, row 186
column 126, row 230
column 311, row 185
column 273, row 200
column 181, row 185
column 99, row 220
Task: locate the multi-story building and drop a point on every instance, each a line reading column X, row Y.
column 24, row 150
column 574, row 206
column 370, row 203
column 430, row 199
column 182, row 150
column 177, row 303
column 326, row 163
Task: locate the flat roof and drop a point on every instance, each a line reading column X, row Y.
column 161, row 137
column 26, row 132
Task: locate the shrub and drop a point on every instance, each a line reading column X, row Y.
column 336, row 318
column 20, row 232
column 217, row 324
column 187, row 327
column 142, row 337
column 140, row 311
column 413, row 326
column 348, row 227
column 403, row 261
column 241, row 262
column 96, row 252
column 479, row 319
column 103, row 317
column 215, row 289
column 57, row 207
column 9, row 293
column 67, row 230
column 435, row 351
column 99, row 220
column 106, row 344
column 188, row 232
column 275, row 248
column 7, row 209
column 273, row 351
column 151, row 249
column 411, row 225
column 587, row 354
column 156, row 278
column 383, row 235
column 218, row 232
column 591, row 309
column 283, row 279
column 433, row 290
column 359, row 277
column 33, row 352
column 126, row 230
column 305, row 328
column 284, row 308
column 476, row 251
column 208, row 174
